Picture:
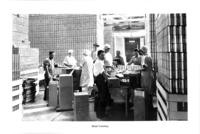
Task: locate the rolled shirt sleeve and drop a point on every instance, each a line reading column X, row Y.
column 98, row 67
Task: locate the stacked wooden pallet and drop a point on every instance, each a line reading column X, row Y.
column 172, row 66
column 17, row 99
column 63, row 32
column 81, row 106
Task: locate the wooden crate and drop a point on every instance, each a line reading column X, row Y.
column 171, row 106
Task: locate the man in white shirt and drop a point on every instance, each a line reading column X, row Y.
column 87, row 78
column 103, row 98
column 48, row 65
column 69, row 60
column 108, row 61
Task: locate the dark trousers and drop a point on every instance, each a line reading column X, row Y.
column 103, row 98
column 46, row 88
column 148, row 106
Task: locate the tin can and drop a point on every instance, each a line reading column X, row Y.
column 171, row 19
column 178, row 19
column 185, row 86
column 183, row 19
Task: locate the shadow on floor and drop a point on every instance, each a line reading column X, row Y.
column 38, row 111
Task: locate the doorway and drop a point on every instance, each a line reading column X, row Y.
column 130, row 45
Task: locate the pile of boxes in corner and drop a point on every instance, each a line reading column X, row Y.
column 25, row 61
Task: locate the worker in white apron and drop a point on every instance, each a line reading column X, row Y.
column 146, row 80
column 87, row 78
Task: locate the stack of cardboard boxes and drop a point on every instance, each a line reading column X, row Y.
column 81, row 106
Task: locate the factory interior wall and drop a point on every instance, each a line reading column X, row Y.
column 63, row 32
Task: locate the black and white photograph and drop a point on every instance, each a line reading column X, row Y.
column 91, row 66
column 99, row 67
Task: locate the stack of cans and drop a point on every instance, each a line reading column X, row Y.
column 171, row 52
column 81, row 106
column 151, row 38
column 15, row 64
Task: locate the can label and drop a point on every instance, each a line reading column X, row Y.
column 171, row 39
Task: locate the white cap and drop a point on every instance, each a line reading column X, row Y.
column 86, row 52
column 106, row 46
column 70, row 51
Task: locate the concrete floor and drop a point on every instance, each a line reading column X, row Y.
column 38, row 111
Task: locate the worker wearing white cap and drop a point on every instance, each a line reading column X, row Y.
column 108, row 61
column 87, row 78
column 69, row 60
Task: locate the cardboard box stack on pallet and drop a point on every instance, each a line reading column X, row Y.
column 29, row 62
column 24, row 59
column 20, row 39
column 81, row 106
column 172, row 65
column 63, row 32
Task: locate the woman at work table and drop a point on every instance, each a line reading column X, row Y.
column 146, row 79
column 136, row 58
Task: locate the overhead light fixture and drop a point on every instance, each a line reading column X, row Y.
column 131, row 41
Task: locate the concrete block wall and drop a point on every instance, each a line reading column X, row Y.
column 61, row 32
